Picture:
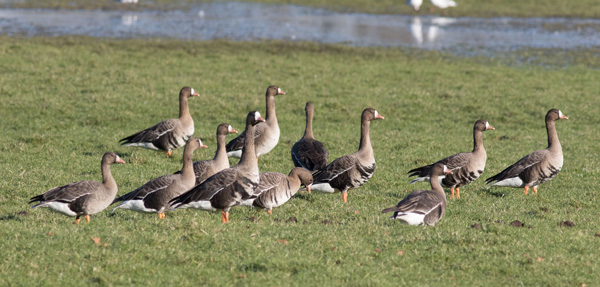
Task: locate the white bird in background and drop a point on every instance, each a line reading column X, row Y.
column 443, row 4
column 414, row 3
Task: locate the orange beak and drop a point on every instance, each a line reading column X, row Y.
column 563, row 117
column 260, row 119
column 490, row 128
column 379, row 116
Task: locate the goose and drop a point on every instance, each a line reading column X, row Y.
column 466, row 166
column 537, row 167
column 353, row 170
column 84, row 197
column 423, row 206
column 266, row 135
column 308, row 152
column 170, row 134
column 275, row 189
column 154, row 195
column 206, row 168
column 230, row 186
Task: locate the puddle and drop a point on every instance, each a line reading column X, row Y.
column 252, row 21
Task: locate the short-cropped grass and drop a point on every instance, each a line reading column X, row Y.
column 66, row 101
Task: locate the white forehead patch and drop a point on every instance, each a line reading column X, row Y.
column 229, row 128
column 118, row 158
column 487, row 125
column 279, row 90
column 192, row 91
column 256, row 116
column 376, row 113
column 445, row 168
column 560, row 115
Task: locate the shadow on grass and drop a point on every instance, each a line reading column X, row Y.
column 14, row 216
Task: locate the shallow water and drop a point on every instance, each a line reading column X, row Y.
column 251, row 21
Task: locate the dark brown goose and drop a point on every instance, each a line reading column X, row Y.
column 537, row 167
column 308, row 152
column 84, row 197
column 353, row 170
column 170, row 134
column 466, row 166
column 230, row 186
column 154, row 196
column 275, row 189
column 423, row 206
column 206, row 168
column 266, row 135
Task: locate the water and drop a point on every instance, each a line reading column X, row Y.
column 251, row 21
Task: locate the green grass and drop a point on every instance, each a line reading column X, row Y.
column 66, row 101
column 476, row 8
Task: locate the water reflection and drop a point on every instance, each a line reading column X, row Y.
column 251, row 21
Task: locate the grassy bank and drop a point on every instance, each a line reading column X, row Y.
column 65, row 101
column 469, row 8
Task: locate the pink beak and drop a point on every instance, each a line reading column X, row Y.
column 281, row 92
column 379, row 116
column 490, row 128
column 260, row 119
column 563, row 117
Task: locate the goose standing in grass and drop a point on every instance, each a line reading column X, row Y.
column 308, row 152
column 537, row 167
column 466, row 166
column 275, row 189
column 206, row 168
column 230, row 186
column 84, row 197
column 423, row 206
column 266, row 135
column 353, row 170
column 154, row 196
column 170, row 134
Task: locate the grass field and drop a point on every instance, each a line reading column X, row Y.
column 66, row 101
column 477, row 8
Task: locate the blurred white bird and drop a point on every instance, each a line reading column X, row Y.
column 443, row 4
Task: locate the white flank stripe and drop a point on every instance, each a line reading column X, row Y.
column 59, row 207
column 202, row 205
column 248, row 202
column 235, row 153
column 511, row 182
column 410, row 218
column 135, row 205
column 322, row 187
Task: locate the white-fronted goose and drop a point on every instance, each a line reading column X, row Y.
column 537, row 167
column 154, row 196
column 206, row 168
column 308, row 152
column 275, row 189
column 353, row 170
column 230, row 186
column 266, row 135
column 423, row 206
column 84, row 197
column 170, row 134
column 466, row 167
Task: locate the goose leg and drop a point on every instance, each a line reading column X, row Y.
column 77, row 219
column 168, row 153
column 452, row 193
column 269, row 211
column 457, row 193
column 345, row 196
column 87, row 218
column 526, row 188
column 225, row 217
column 535, row 190
column 161, row 215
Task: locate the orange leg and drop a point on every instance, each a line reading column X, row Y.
column 161, row 215
column 345, row 196
column 457, row 193
column 77, row 220
column 451, row 193
column 526, row 188
column 87, row 218
column 535, row 190
column 269, row 211
column 225, row 217
column 308, row 189
column 168, row 153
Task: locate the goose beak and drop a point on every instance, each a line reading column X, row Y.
column 280, row 92
column 232, row 131
column 119, row 160
column 203, row 146
column 260, row 119
column 563, row 117
column 490, row 128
